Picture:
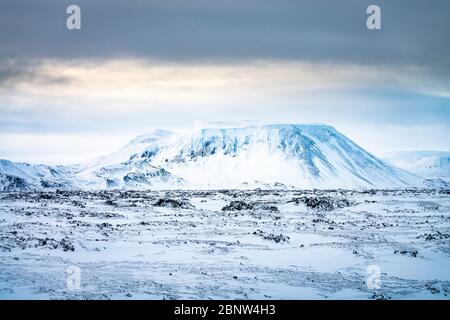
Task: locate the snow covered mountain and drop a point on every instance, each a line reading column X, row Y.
column 24, row 176
column 135, row 146
column 434, row 166
column 268, row 156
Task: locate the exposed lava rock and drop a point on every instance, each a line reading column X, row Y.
column 66, row 245
column 411, row 253
column 172, row 203
column 435, row 236
column 238, row 205
column 270, row 236
column 110, row 202
column 322, row 203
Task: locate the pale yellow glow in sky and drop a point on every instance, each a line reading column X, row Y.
column 137, row 84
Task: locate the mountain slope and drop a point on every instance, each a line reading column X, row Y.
column 24, row 176
column 427, row 163
column 115, row 171
column 433, row 166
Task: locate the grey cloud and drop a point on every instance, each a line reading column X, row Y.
column 414, row 32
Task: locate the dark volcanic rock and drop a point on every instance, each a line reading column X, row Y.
column 238, row 205
column 172, row 203
column 270, row 236
column 411, row 253
column 66, row 245
column 322, row 203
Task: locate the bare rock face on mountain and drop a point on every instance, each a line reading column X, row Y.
column 268, row 156
column 12, row 183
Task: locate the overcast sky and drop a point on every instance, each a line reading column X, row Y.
column 68, row 96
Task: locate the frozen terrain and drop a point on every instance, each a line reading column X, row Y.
column 225, row 244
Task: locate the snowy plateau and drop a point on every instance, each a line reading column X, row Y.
column 260, row 212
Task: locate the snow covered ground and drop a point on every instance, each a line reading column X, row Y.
column 225, row 244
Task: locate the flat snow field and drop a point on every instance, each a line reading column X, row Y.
column 226, row 244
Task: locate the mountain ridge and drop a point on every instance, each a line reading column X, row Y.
column 303, row 156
